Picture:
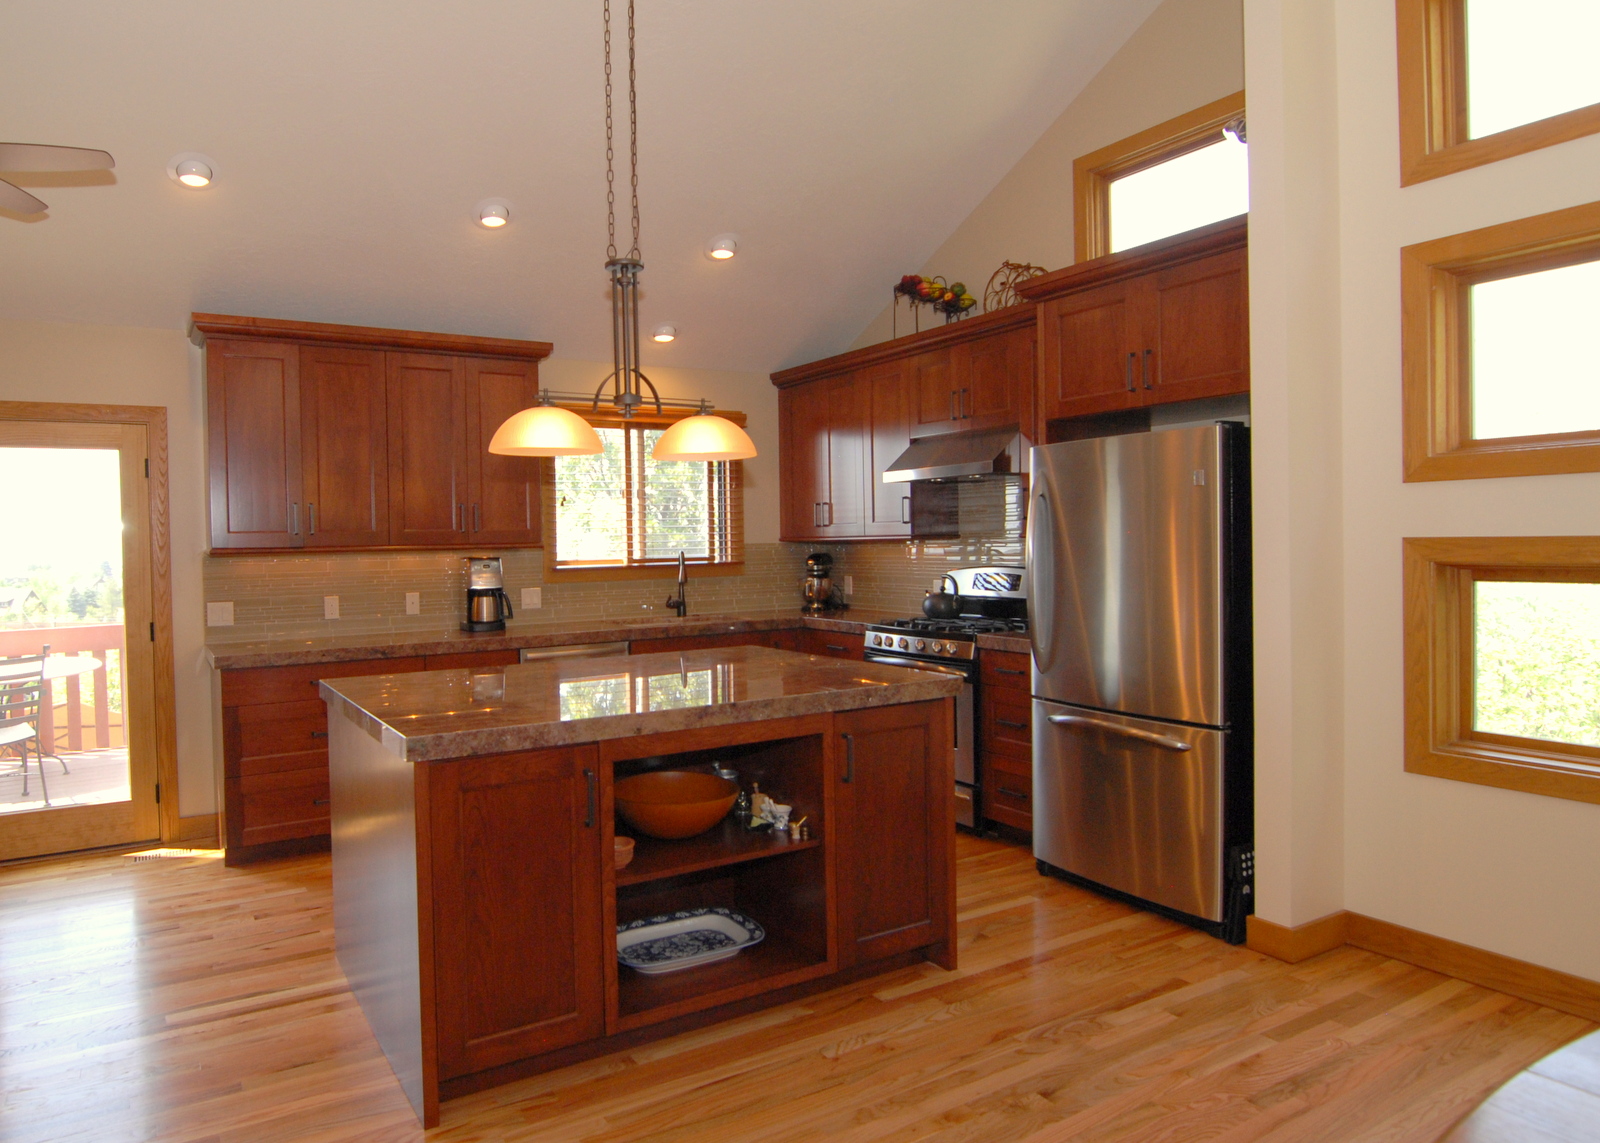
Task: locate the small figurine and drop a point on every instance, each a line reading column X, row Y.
column 759, row 803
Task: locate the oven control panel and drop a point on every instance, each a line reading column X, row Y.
column 911, row 643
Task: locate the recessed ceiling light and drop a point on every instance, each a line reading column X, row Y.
column 722, row 247
column 665, row 333
column 493, row 213
column 192, row 170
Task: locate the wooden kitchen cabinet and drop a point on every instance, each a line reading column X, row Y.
column 519, row 959
column 1005, row 737
column 893, row 768
column 353, row 438
column 981, row 382
column 1165, row 322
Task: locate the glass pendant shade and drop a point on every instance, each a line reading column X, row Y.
column 704, row 437
column 545, row 430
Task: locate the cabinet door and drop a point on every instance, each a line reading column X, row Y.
column 253, row 425
column 1088, row 359
column 803, row 460
column 888, row 506
column 505, row 493
column 1197, row 342
column 994, row 380
column 516, row 891
column 344, row 447
column 893, row 772
column 933, row 390
column 845, row 510
column 427, row 412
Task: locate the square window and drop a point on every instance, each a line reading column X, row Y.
column 1536, row 660
column 1529, row 60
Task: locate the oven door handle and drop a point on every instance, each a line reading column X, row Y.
column 918, row 664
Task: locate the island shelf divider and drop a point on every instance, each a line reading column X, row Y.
column 727, row 843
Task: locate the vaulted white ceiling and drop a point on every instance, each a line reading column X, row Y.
column 842, row 140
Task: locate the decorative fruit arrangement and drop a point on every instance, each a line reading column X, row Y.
column 950, row 299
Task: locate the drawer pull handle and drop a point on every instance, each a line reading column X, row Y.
column 319, row 801
column 833, row 647
column 319, row 734
column 589, row 781
column 1008, row 671
column 849, row 757
column 1013, row 725
column 1010, row 793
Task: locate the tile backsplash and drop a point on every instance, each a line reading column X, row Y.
column 281, row 597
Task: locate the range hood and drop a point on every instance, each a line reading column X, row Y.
column 950, row 455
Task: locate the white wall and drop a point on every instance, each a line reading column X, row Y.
column 112, row 365
column 1187, row 54
column 1514, row 873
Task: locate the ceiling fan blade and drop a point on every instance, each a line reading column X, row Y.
column 43, row 157
column 19, row 200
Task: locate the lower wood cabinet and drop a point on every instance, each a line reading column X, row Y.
column 516, row 895
column 892, row 783
column 1005, row 738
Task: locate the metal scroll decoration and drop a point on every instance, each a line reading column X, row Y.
column 1002, row 288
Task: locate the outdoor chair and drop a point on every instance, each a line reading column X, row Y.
column 22, row 692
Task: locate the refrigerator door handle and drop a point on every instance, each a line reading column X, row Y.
column 1039, row 571
column 1149, row 736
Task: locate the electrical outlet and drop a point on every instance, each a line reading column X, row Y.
column 219, row 614
column 533, row 598
column 849, row 585
column 413, row 603
column 330, row 607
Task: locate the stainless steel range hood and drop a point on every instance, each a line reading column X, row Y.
column 951, row 455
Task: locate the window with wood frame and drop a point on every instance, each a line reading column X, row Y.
column 1482, row 80
column 1176, row 176
column 622, row 511
column 1502, row 662
column 1499, row 349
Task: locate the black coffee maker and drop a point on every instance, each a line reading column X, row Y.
column 488, row 605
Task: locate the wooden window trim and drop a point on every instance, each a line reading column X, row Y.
column 1093, row 174
column 606, row 419
column 1432, row 45
column 1435, row 283
column 1439, row 739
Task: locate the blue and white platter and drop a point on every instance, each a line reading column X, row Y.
column 686, row 939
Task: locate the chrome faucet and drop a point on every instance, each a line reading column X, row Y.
column 679, row 603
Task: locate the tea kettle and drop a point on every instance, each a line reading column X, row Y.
column 942, row 604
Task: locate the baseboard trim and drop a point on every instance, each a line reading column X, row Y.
column 1298, row 943
column 199, row 827
column 1548, row 986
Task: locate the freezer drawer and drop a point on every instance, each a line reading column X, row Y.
column 1131, row 804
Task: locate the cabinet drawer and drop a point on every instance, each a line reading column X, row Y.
column 1006, row 669
column 1006, row 722
column 1009, row 762
column 281, row 728
column 1008, row 800
column 277, row 807
column 834, row 644
column 471, row 660
column 255, row 685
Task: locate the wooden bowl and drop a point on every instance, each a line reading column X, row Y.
column 623, row 849
column 674, row 803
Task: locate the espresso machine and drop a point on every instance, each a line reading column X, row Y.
column 488, row 605
column 817, row 589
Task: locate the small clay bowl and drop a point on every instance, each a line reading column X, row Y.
column 673, row 804
column 623, row 850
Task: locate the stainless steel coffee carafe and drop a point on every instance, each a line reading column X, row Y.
column 488, row 605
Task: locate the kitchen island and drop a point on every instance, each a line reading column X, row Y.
column 476, row 900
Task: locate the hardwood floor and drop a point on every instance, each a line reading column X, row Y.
column 177, row 1000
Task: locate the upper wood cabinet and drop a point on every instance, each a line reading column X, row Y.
column 844, row 421
column 1164, row 322
column 348, row 437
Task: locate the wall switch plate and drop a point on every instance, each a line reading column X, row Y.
column 330, row 607
column 849, row 585
column 532, row 597
column 413, row 603
column 219, row 614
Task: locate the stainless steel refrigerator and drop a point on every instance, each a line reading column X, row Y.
column 1139, row 566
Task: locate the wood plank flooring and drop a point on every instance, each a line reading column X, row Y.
column 180, row 1001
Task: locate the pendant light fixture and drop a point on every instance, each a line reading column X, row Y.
column 545, row 430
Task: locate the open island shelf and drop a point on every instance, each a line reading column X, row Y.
column 727, row 843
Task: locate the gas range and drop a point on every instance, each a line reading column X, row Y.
column 939, row 638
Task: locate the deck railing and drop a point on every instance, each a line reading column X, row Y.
column 97, row 640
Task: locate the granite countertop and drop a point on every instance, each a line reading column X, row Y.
column 435, row 715
column 291, row 652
